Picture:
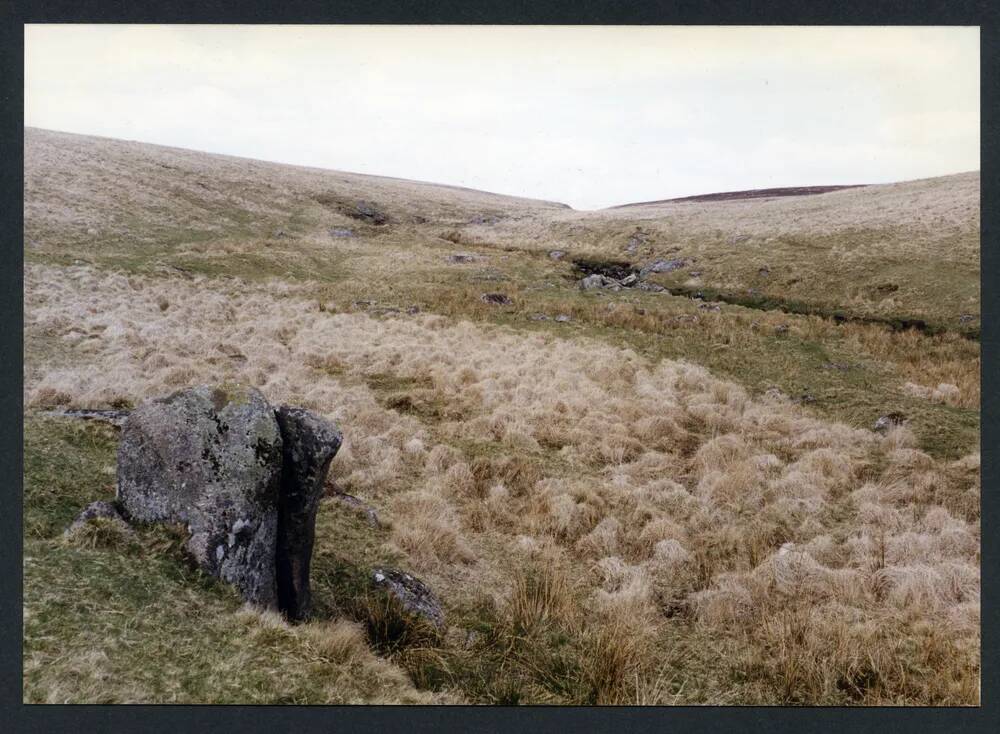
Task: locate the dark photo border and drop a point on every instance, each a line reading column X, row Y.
column 19, row 717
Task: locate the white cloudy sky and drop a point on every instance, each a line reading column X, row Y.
column 591, row 116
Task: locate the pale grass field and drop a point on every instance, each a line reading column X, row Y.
column 658, row 505
column 637, row 505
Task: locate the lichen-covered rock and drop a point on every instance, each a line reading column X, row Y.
column 412, row 594
column 309, row 443
column 211, row 458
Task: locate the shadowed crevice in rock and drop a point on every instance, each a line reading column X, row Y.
column 309, row 443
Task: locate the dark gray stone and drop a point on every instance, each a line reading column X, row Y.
column 887, row 421
column 309, row 443
column 369, row 212
column 463, row 257
column 412, row 594
column 496, row 299
column 210, row 458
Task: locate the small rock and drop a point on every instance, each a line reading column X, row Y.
column 709, row 307
column 629, row 280
column 737, row 239
column 967, row 318
column 599, row 281
column 887, row 421
column 841, row 366
column 781, row 329
column 496, row 299
column 562, row 318
column 341, row 232
column 369, row 212
column 694, row 273
column 663, row 266
column 92, row 232
column 280, row 235
column 489, row 220
column 806, row 398
column 359, row 505
column 414, row 596
column 764, row 272
column 557, row 254
column 463, row 257
column 99, row 509
column 413, row 310
column 651, row 287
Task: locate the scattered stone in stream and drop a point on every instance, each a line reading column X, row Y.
column 496, row 299
column 599, row 281
column 663, row 266
column 412, row 594
column 888, row 421
column 651, row 287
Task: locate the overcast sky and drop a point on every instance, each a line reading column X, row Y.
column 590, row 116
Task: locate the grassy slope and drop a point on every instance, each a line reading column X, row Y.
column 170, row 214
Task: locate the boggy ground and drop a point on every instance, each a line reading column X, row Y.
column 649, row 502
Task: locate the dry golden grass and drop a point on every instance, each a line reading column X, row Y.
column 821, row 557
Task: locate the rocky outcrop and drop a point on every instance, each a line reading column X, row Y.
column 244, row 478
column 210, row 458
column 309, row 444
